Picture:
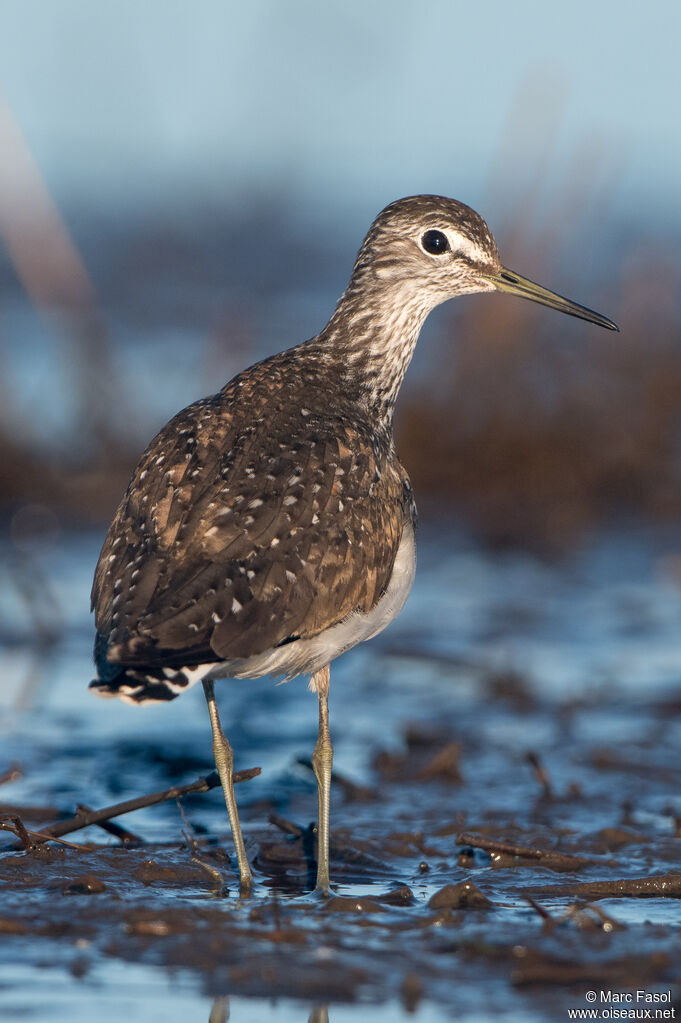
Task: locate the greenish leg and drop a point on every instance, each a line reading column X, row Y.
column 322, row 761
column 224, row 761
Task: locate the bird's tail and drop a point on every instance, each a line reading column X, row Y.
column 146, row 683
column 139, row 686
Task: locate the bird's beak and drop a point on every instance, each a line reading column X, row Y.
column 514, row 284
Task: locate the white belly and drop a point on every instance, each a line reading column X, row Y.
column 305, row 656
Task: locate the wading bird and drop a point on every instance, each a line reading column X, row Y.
column 270, row 527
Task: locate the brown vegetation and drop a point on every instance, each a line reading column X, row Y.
column 544, row 427
column 532, row 426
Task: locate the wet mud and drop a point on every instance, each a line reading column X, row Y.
column 501, row 843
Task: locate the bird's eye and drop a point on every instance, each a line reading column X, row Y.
column 435, row 242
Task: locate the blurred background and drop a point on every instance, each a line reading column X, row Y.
column 183, row 188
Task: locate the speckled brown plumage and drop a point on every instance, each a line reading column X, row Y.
column 265, row 513
column 275, row 510
column 269, row 528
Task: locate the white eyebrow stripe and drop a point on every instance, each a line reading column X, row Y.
column 461, row 243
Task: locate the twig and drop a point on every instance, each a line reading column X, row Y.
column 214, row 873
column 13, row 773
column 18, row 828
column 549, row 857
column 352, row 790
column 85, row 819
column 540, row 773
column 609, row 922
column 666, row 886
column 122, row 834
column 288, row 827
column 28, row 838
column 543, row 913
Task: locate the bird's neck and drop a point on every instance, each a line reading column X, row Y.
column 371, row 338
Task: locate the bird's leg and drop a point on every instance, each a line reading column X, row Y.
column 322, row 760
column 224, row 761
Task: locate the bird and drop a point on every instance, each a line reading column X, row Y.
column 269, row 528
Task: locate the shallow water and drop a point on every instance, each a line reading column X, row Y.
column 494, row 657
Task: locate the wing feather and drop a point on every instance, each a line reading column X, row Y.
column 247, row 523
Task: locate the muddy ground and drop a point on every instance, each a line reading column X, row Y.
column 506, row 817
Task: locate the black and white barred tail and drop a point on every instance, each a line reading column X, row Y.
column 147, row 684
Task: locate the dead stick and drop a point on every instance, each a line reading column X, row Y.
column 523, row 851
column 17, row 826
column 125, row 837
column 30, row 839
column 12, row 773
column 85, row 819
column 288, row 827
column 540, row 773
column 543, row 913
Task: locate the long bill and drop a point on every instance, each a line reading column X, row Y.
column 514, row 284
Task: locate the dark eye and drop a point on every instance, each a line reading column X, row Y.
column 435, row 242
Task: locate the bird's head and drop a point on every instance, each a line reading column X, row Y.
column 432, row 249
